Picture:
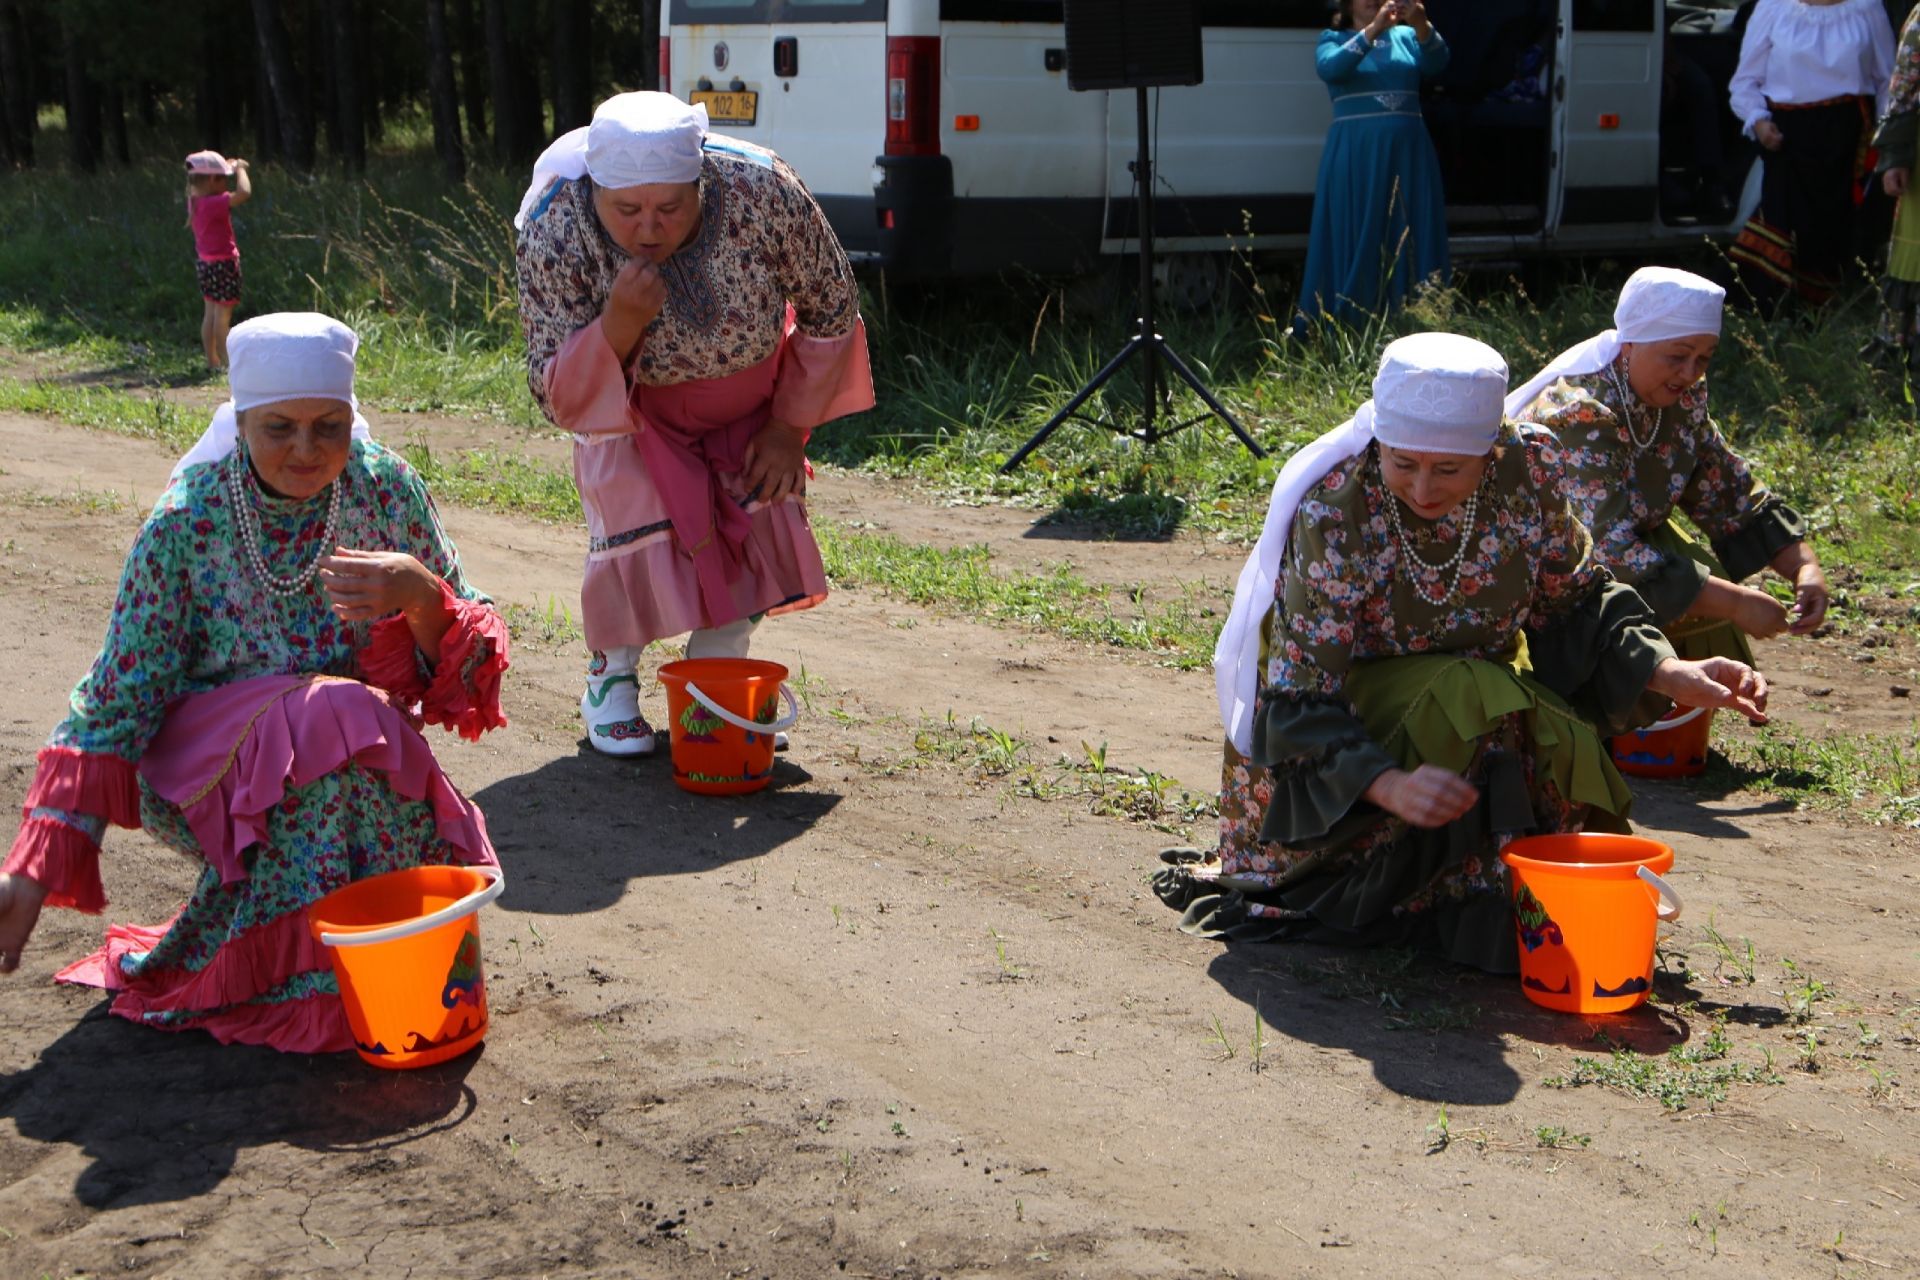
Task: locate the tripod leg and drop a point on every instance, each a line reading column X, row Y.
column 1080, row 397
column 1220, row 411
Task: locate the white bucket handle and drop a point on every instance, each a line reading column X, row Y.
column 751, row 726
column 497, row 885
column 1670, row 905
column 1692, row 714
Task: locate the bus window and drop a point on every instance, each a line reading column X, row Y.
column 1613, row 15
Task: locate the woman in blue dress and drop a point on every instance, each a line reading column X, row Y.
column 1379, row 211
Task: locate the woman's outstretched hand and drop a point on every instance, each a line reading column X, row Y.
column 776, row 462
column 20, row 900
column 1713, row 682
column 1429, row 796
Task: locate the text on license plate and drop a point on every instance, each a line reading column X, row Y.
column 728, row 106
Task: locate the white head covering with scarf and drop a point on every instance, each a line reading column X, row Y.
column 289, row 355
column 635, row 138
column 1656, row 304
column 1434, row 393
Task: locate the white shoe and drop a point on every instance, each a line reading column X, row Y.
column 611, row 709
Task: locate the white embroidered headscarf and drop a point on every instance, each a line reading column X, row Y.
column 635, row 138
column 1434, row 393
column 1656, row 304
column 289, row 355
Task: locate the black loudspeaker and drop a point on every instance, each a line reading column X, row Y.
column 1132, row 44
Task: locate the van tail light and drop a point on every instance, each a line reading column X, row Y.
column 913, row 95
column 666, row 64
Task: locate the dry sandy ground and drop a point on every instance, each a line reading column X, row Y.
column 890, row 1019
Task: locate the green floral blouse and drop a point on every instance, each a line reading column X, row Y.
column 1626, row 492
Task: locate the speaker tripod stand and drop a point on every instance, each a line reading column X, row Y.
column 1146, row 343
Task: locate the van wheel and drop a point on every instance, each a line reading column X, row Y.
column 1190, row 282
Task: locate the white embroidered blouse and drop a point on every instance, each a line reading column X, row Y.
column 1799, row 52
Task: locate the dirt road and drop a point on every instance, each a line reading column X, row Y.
column 892, row 1018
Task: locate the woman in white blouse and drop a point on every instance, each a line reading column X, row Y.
column 1811, row 78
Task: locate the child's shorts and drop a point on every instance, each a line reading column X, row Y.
column 219, row 281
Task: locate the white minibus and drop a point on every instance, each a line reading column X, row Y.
column 941, row 138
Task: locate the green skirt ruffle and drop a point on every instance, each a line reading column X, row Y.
column 1377, row 881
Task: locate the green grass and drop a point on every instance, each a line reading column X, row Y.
column 1871, row 775
column 1677, row 1079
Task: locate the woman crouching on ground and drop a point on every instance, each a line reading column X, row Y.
column 1629, row 408
column 287, row 615
column 1419, row 649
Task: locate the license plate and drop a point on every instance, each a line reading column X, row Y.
column 728, row 106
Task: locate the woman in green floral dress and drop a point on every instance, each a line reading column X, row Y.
column 1629, row 408
column 1419, row 650
column 288, row 616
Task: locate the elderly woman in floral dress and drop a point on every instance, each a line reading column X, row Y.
column 1629, row 408
column 1419, row 649
column 690, row 318
column 288, row 615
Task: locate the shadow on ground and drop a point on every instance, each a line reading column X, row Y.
column 572, row 833
column 164, row 1116
column 1430, row 1030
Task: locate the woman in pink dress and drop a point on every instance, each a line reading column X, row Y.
column 690, row 318
column 289, row 616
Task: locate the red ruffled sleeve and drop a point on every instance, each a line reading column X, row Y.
column 62, row 859
column 464, row 691
column 86, row 782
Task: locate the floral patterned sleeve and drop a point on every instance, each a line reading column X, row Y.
column 1746, row 523
column 1590, row 639
column 1903, row 89
column 1307, row 732
column 84, row 777
column 1598, row 479
column 808, row 261
column 561, row 289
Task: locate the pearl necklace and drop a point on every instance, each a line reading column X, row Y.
column 1627, row 398
column 248, row 533
column 1455, row 562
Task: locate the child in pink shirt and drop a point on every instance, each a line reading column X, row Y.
column 209, row 208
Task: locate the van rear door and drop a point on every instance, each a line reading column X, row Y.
column 1610, row 175
column 805, row 78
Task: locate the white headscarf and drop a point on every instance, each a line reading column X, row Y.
column 1656, row 304
column 1434, row 393
column 635, row 138
column 289, row 355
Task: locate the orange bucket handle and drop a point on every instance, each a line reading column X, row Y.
column 751, row 726
column 1670, row 905
column 496, row 885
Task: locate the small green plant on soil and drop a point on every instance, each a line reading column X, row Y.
column 1219, row 1038
column 1740, row 962
column 1802, row 992
column 1009, row 971
column 1257, row 1047
column 1557, row 1138
column 1440, row 1132
column 1682, row 1076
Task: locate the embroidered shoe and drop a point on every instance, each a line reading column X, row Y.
column 611, row 709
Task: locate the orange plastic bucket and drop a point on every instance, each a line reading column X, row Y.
column 724, row 713
column 1586, row 907
column 406, row 952
column 1674, row 746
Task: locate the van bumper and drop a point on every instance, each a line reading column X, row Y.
column 924, row 230
column 913, row 212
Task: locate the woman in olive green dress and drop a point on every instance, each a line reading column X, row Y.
column 1629, row 408
column 1420, row 648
